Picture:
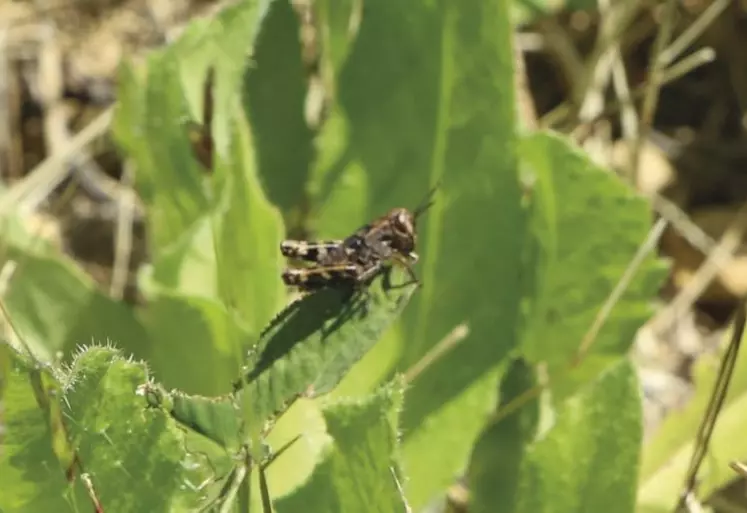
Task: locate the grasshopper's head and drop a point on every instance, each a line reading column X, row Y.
column 403, row 225
column 403, row 234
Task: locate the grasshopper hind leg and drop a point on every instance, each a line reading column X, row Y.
column 318, row 252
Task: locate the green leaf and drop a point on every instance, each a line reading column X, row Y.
column 248, row 270
column 274, row 97
column 149, row 125
column 189, row 255
column 428, row 92
column 498, row 454
column 586, row 462
column 224, row 45
column 314, row 342
column 216, row 418
column 587, row 226
column 133, row 454
column 55, row 307
column 337, row 183
column 355, row 473
column 426, row 95
column 32, row 477
column 188, row 265
column 198, row 346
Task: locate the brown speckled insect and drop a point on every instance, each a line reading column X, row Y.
column 357, row 259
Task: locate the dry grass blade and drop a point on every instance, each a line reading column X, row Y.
column 123, row 236
column 643, row 251
column 54, row 169
column 651, row 96
column 721, row 387
column 717, row 259
column 693, row 32
column 446, row 344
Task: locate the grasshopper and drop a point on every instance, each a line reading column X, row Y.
column 357, row 259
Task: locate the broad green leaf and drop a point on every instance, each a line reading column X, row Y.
column 426, row 95
column 132, row 453
column 274, row 97
column 32, row 477
column 666, row 457
column 195, row 344
column 248, row 235
column 55, row 306
column 356, row 472
column 427, row 89
column 586, row 462
column 587, row 225
column 313, row 343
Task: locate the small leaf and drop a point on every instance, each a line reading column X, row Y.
column 356, row 471
column 133, row 454
column 312, row 344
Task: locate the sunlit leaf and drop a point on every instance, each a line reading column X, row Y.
column 356, row 472
column 587, row 225
column 132, row 453
column 313, row 343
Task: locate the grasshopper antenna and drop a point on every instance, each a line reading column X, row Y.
column 426, row 203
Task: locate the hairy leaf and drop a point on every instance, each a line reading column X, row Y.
column 132, row 453
column 314, row 342
column 356, row 473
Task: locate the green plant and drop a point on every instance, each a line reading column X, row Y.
column 420, row 93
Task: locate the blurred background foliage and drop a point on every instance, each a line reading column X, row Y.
column 176, row 146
